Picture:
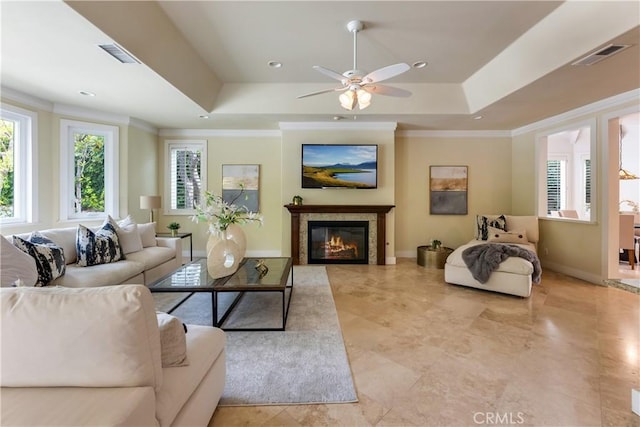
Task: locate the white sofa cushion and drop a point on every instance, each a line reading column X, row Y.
column 99, row 275
column 128, row 235
column 204, row 346
column 152, row 256
column 18, row 268
column 527, row 223
column 63, row 237
column 148, row 234
column 94, row 337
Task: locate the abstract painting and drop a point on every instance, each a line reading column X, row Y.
column 448, row 190
column 243, row 179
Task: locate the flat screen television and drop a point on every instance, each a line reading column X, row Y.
column 339, row 166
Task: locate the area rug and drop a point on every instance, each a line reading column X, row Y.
column 305, row 364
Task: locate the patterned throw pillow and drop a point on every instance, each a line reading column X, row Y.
column 49, row 257
column 514, row 236
column 101, row 247
column 484, row 223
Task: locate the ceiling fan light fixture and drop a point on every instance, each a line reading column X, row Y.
column 364, row 98
column 348, row 100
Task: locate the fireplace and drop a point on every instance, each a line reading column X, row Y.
column 338, row 242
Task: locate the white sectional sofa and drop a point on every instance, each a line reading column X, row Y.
column 153, row 258
column 94, row 356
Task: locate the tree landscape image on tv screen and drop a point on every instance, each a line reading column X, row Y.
column 339, row 166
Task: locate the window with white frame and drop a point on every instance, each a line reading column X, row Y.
column 565, row 174
column 17, row 165
column 186, row 175
column 88, row 170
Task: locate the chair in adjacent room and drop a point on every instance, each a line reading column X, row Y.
column 568, row 213
column 627, row 238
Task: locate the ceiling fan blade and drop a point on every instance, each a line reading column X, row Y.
column 331, row 73
column 386, row 90
column 338, row 89
column 385, row 73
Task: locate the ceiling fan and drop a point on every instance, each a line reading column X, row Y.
column 357, row 86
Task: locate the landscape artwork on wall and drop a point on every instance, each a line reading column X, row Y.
column 340, row 166
column 235, row 179
column 448, row 190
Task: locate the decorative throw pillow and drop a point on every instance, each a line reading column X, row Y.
column 101, row 247
column 18, row 267
column 483, row 223
column 148, row 234
column 128, row 235
column 500, row 236
column 48, row 256
column 173, row 342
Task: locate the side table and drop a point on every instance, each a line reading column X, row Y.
column 182, row 236
column 430, row 258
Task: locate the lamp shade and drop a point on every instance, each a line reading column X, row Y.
column 150, row 202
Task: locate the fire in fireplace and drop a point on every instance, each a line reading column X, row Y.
column 338, row 242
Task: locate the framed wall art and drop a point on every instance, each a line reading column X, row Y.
column 245, row 179
column 448, row 190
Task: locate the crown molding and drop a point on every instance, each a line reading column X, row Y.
column 456, row 133
column 390, row 126
column 142, row 125
column 595, row 107
column 233, row 133
column 89, row 114
column 28, row 100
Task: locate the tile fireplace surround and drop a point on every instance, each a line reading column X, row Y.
column 375, row 214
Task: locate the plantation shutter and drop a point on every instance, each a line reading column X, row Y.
column 554, row 185
column 587, row 182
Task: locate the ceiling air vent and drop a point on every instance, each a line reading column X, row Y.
column 601, row 54
column 119, row 53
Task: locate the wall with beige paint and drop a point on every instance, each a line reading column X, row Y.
column 575, row 248
column 489, row 188
column 133, row 159
column 261, row 150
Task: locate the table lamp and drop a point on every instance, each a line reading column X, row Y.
column 151, row 203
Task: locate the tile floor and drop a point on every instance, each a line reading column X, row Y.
column 426, row 353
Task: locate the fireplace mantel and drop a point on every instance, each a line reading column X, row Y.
column 380, row 210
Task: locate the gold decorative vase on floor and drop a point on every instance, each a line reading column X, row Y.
column 223, row 255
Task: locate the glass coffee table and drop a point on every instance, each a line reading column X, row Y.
column 193, row 277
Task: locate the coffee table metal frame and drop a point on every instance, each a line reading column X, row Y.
column 230, row 284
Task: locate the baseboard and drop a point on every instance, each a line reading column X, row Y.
column 578, row 274
column 390, row 260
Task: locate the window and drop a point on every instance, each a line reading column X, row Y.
column 186, row 165
column 565, row 181
column 89, row 170
column 17, row 165
column 556, row 185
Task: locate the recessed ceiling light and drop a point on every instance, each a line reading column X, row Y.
column 478, row 118
column 419, row 64
column 203, row 116
column 274, row 64
column 85, row 93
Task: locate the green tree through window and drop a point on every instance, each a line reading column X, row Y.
column 7, row 167
column 89, row 173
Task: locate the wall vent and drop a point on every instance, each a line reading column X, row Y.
column 119, row 53
column 601, row 54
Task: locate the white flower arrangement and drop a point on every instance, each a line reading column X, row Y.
column 220, row 214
